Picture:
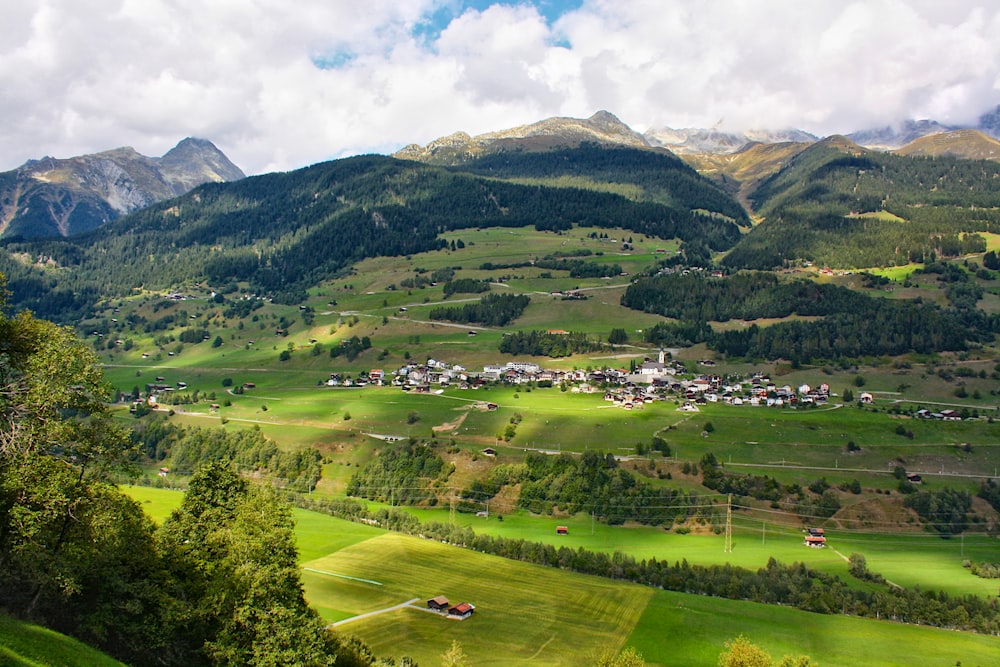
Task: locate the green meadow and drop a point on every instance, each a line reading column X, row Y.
column 528, row 614
column 28, row 645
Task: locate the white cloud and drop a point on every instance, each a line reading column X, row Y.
column 280, row 85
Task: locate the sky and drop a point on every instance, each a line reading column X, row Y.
column 281, row 84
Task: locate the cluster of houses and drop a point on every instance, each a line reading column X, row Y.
column 755, row 390
column 628, row 388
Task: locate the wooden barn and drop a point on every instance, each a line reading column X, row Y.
column 462, row 611
column 440, row 603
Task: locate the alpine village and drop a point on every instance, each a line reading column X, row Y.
column 562, row 394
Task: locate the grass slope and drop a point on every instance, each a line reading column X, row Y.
column 27, row 645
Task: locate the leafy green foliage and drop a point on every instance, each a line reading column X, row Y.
column 545, row 344
column 465, row 286
column 946, row 510
column 402, row 473
column 234, row 551
column 592, row 483
column 660, row 176
column 188, row 448
column 492, row 310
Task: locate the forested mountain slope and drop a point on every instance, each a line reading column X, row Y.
column 278, row 234
column 642, row 175
column 842, row 205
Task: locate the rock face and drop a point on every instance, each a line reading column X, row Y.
column 602, row 128
column 53, row 197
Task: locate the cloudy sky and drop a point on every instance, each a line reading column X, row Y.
column 278, row 85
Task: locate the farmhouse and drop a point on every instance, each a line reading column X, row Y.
column 461, row 611
column 440, row 603
column 562, row 530
column 817, row 541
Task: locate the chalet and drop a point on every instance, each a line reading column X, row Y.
column 816, row 541
column 440, row 603
column 461, row 611
column 866, row 398
column 489, row 451
column 951, row 415
column 163, row 472
column 913, row 478
column 562, row 530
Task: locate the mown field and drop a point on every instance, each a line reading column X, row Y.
column 540, row 616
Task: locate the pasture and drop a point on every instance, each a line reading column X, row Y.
column 528, row 614
column 28, row 645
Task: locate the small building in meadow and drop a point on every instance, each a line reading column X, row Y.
column 461, row 611
column 562, row 530
column 440, row 603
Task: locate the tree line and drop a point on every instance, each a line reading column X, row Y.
column 186, row 449
column 492, row 310
column 546, row 344
column 852, row 325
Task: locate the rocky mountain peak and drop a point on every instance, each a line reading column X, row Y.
column 62, row 197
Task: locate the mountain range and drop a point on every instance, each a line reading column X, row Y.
column 63, row 197
column 604, row 128
column 53, row 197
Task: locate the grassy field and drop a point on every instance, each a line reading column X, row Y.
column 540, row 616
column 27, row 645
column 907, row 559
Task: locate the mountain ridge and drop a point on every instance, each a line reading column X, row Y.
column 602, row 127
column 66, row 196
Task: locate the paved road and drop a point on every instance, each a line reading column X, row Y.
column 401, row 605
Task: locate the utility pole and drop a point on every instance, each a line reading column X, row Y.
column 729, row 523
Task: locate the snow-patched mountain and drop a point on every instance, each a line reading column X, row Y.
column 691, row 141
column 601, row 128
column 62, row 197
